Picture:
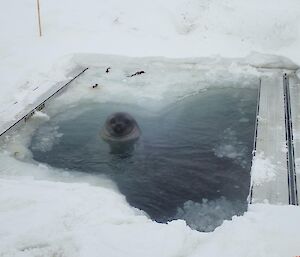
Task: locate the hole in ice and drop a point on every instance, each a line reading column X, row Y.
column 191, row 162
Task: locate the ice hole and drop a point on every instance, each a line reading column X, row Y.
column 192, row 161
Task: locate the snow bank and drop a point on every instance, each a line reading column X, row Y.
column 43, row 218
column 170, row 28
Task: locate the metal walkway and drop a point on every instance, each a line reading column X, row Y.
column 294, row 86
column 276, row 155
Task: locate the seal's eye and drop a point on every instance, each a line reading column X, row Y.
column 127, row 121
column 113, row 121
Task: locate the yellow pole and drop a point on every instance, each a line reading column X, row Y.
column 39, row 17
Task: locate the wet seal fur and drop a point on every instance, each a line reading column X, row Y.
column 120, row 131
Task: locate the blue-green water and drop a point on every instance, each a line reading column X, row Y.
column 199, row 148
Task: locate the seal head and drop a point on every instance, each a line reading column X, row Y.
column 120, row 128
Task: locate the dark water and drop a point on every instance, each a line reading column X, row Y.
column 199, row 148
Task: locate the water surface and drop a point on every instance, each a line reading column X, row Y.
column 198, row 148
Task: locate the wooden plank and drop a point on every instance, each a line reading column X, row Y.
column 269, row 174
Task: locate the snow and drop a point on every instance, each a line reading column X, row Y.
column 43, row 218
column 263, row 170
column 49, row 212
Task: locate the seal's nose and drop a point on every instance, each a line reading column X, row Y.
column 118, row 128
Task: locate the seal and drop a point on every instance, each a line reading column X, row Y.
column 120, row 130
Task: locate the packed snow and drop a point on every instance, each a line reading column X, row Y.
column 50, row 212
column 263, row 169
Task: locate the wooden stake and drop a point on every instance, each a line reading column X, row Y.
column 39, row 17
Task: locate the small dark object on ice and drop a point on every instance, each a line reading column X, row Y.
column 96, row 85
column 107, row 70
column 137, row 73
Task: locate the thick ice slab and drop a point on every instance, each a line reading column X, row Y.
column 39, row 102
column 23, row 113
column 269, row 170
column 294, row 83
